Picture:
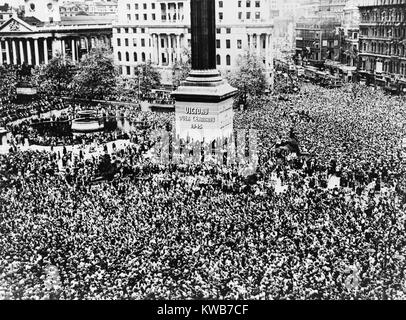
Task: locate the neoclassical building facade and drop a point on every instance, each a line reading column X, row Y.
column 41, row 33
column 159, row 31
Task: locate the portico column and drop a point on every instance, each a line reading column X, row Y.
column 13, row 45
column 258, row 45
column 266, row 51
column 7, row 53
column 178, row 47
column 45, row 51
column 158, row 47
column 36, row 52
column 28, row 43
column 168, row 58
column 21, row 51
column 154, row 49
column 63, row 48
column 73, row 50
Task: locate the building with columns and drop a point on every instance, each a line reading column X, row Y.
column 41, row 33
column 159, row 31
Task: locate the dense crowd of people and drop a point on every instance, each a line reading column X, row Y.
column 170, row 231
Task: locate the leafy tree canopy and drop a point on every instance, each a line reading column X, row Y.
column 248, row 77
column 96, row 75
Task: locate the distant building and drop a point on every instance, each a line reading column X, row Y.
column 159, row 31
column 92, row 8
column 383, row 43
column 318, row 31
column 38, row 35
column 284, row 29
column 69, row 9
column 6, row 12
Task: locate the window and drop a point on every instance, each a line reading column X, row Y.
column 118, row 42
column 118, row 30
column 144, row 5
column 126, row 30
column 248, row 15
column 134, row 42
column 136, row 16
column 228, row 30
column 218, row 30
column 145, row 16
column 220, row 4
column 257, row 4
column 218, row 59
column 142, row 30
column 239, row 44
column 228, row 60
column 220, row 15
column 257, row 15
column 128, row 16
column 119, row 56
column 218, row 44
column 239, row 4
column 135, row 57
column 128, row 70
column 128, row 6
column 248, row 4
column 134, row 30
column 127, row 56
column 239, row 15
column 152, row 6
column 153, row 16
column 126, row 42
column 162, row 43
column 142, row 42
column 136, row 6
column 228, row 44
column 143, row 56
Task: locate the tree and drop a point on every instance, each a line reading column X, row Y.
column 55, row 77
column 148, row 76
column 181, row 69
column 96, row 75
column 248, row 78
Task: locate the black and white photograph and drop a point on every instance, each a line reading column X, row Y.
column 203, row 150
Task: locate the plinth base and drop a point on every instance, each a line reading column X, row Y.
column 204, row 107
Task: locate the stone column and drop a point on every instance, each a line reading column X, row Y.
column 258, row 45
column 45, row 51
column 178, row 47
column 13, row 45
column 21, row 51
column 203, row 27
column 36, row 52
column 170, row 50
column 158, row 48
column 7, row 52
column 63, row 48
column 167, row 48
column 73, row 50
column 29, row 56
